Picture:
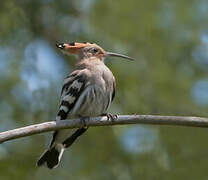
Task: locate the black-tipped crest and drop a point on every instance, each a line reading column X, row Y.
column 60, row 45
column 72, row 44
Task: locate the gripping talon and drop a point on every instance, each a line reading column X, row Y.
column 115, row 116
column 83, row 121
column 110, row 116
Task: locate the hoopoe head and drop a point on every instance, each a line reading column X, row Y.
column 88, row 50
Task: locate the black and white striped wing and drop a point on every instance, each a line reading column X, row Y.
column 72, row 89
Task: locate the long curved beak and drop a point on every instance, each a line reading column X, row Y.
column 119, row 55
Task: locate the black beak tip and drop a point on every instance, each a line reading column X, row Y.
column 60, row 45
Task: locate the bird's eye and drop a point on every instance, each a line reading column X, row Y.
column 94, row 50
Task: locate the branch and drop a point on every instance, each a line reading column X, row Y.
column 102, row 121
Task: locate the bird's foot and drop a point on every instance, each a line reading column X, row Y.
column 83, row 121
column 110, row 116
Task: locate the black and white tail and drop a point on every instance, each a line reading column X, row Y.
column 51, row 157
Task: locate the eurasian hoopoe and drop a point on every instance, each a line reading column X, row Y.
column 88, row 91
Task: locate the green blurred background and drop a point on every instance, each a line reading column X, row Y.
column 168, row 39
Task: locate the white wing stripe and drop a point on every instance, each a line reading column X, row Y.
column 77, row 85
column 64, row 108
column 70, row 99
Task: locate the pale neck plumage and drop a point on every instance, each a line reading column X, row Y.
column 86, row 62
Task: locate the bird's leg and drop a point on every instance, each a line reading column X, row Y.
column 110, row 116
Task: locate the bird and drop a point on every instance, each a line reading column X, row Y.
column 87, row 92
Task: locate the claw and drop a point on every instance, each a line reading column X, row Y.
column 83, row 120
column 110, row 116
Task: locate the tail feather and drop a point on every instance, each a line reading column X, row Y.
column 69, row 141
column 51, row 157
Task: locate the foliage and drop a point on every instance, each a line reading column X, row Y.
column 169, row 41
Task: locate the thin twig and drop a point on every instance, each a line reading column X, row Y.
column 103, row 121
